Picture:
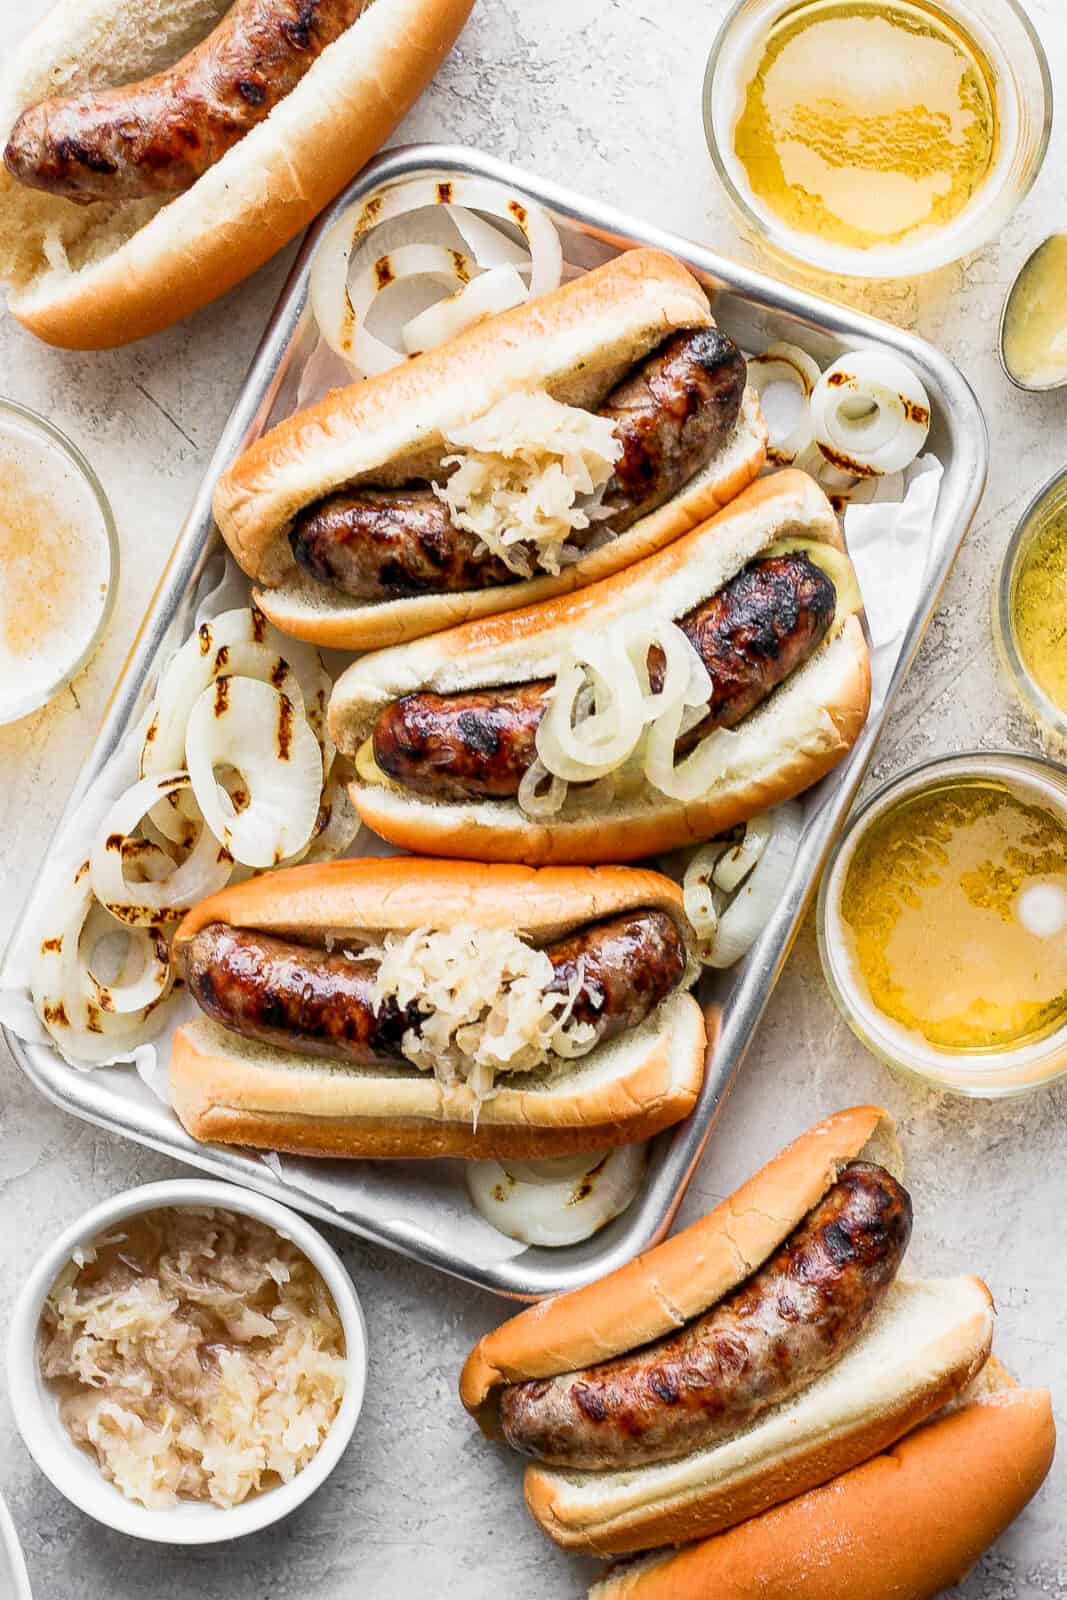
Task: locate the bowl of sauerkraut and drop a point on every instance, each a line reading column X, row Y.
column 187, row 1362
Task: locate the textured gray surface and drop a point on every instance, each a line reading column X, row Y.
column 602, row 95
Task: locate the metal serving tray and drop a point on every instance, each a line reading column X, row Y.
column 754, row 310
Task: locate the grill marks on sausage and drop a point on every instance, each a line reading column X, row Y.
column 751, row 636
column 670, row 414
column 768, row 1340
column 160, row 135
column 389, row 545
column 321, row 1003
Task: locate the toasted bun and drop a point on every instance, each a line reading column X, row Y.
column 233, row 1091
column 922, row 1348
column 906, row 1525
column 797, row 735
column 89, row 277
column 681, row 1278
column 576, row 343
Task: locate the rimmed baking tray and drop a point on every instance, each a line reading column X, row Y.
column 754, row 310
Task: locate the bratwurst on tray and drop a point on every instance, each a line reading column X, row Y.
column 671, row 414
column 763, row 1343
column 750, row 636
column 660, row 707
column 613, row 973
column 160, row 135
column 407, row 1008
column 534, row 453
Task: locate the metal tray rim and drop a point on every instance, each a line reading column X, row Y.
column 534, row 1273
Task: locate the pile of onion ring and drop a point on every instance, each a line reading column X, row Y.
column 560, row 1201
column 604, row 715
column 440, row 243
column 237, row 771
column 861, row 422
column 731, row 887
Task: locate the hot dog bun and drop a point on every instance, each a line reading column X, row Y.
column 906, row 1525
column 228, row 1089
column 576, row 342
column 780, row 749
column 89, row 277
column 923, row 1347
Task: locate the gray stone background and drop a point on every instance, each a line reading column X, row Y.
column 603, row 95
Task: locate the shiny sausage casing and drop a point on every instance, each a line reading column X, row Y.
column 751, row 635
column 670, row 414
column 768, row 1340
column 321, row 1003
column 162, row 134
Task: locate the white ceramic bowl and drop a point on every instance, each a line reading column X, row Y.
column 14, row 1579
column 75, row 1473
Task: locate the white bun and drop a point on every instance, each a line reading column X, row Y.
column 89, row 277
column 576, row 342
column 797, row 735
column 907, row 1525
column 924, row 1346
column 233, row 1091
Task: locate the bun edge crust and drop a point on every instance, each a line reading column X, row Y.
column 906, row 1525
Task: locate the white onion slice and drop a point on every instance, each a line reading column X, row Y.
column 140, row 904
column 248, row 726
column 831, row 479
column 499, row 289
column 144, row 975
column 337, row 825
column 870, row 413
column 66, row 996
column 450, row 268
column 889, row 489
column 558, row 1202
column 331, row 304
column 533, row 798
column 215, row 650
column 739, row 859
column 751, row 908
column 698, row 896
column 602, row 701
column 789, row 429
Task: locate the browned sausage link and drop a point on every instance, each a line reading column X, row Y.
column 789, row 1322
column 670, row 415
column 322, row 1003
column 758, row 629
column 160, row 135
column 384, row 544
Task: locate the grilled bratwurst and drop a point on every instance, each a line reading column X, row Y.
column 322, row 1003
column 751, row 636
column 671, row 414
column 792, row 1320
column 162, row 134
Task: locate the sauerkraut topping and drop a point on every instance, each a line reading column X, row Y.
column 487, row 1008
column 198, row 1355
column 528, row 473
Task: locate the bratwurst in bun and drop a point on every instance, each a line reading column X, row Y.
column 187, row 143
column 710, row 682
column 418, row 1008
column 766, row 1349
column 532, row 454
